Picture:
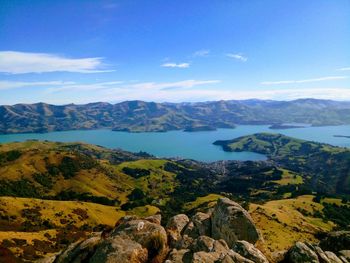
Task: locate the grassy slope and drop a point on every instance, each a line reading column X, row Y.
column 58, row 216
column 325, row 165
column 31, row 218
column 102, row 180
column 283, row 222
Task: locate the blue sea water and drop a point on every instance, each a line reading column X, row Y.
column 193, row 145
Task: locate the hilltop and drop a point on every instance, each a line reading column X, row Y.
column 53, row 194
column 324, row 167
column 140, row 116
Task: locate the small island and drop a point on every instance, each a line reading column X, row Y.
column 284, row 126
column 342, row 136
column 199, row 128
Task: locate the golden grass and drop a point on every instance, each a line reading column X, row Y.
column 282, row 224
column 49, row 209
column 144, row 211
column 289, row 177
column 202, row 200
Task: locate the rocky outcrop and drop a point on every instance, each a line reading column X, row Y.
column 308, row 253
column 249, row 251
column 79, row 251
column 133, row 240
column 118, row 250
column 174, row 228
column 225, row 235
column 232, row 223
column 301, row 253
column 183, row 240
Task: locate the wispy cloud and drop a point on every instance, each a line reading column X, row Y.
column 14, row 62
column 131, row 87
column 185, row 84
column 175, row 65
column 205, row 94
column 292, row 94
column 280, row 82
column 237, row 56
column 344, row 69
column 177, row 91
column 5, row 85
column 201, row 53
column 85, row 86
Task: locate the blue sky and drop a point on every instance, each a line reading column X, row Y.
column 163, row 50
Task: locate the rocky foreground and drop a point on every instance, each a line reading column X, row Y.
column 225, row 234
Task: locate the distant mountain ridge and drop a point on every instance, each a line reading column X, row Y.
column 140, row 116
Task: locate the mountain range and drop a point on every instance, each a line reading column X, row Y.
column 140, row 116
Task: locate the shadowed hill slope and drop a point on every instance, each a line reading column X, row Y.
column 139, row 116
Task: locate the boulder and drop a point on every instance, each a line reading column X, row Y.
column 344, row 254
column 207, row 257
column 207, row 244
column 174, row 228
column 321, row 255
column 151, row 236
column 232, row 223
column 237, row 258
column 248, row 251
column 133, row 240
column 79, row 251
column 301, row 253
column 179, row 256
column 120, row 249
column 184, row 243
column 157, row 219
column 202, row 223
column 332, row 257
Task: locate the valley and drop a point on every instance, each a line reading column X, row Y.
column 141, row 116
column 57, row 193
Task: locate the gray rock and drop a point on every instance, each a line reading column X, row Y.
column 120, row 249
column 321, row 255
column 301, row 253
column 237, row 258
column 248, row 251
column 202, row 222
column 207, row 244
column 157, row 219
column 332, row 257
column 151, row 236
column 232, row 223
column 179, row 256
column 184, row 243
column 79, row 251
column 345, row 254
column 175, row 227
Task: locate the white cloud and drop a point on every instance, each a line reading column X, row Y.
column 207, row 94
column 14, row 62
column 131, row 87
column 292, row 94
column 175, row 65
column 303, row 80
column 85, row 87
column 4, row 85
column 185, row 84
column 201, row 53
column 344, row 69
column 237, row 56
